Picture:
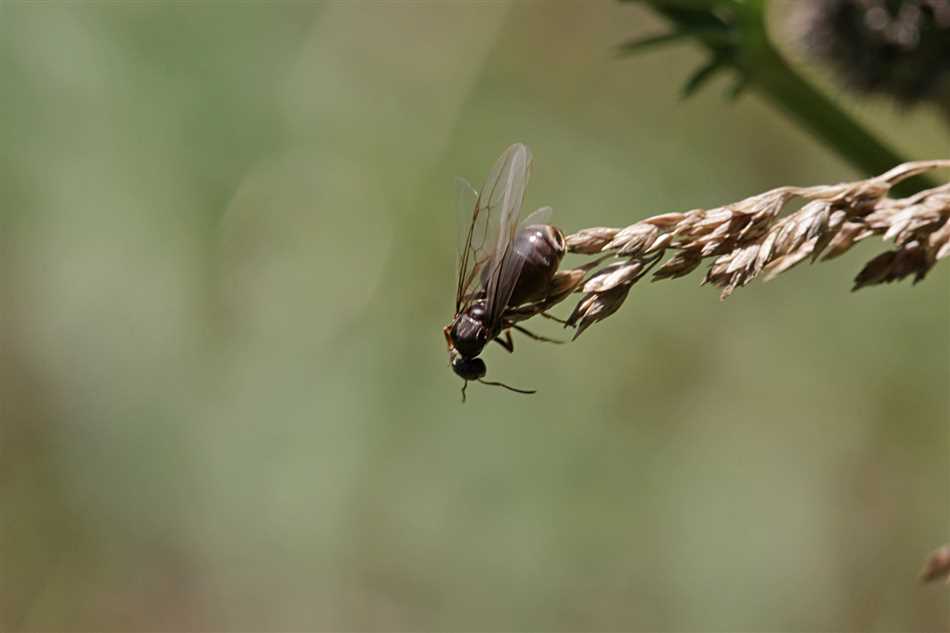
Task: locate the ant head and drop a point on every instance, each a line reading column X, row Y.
column 468, row 368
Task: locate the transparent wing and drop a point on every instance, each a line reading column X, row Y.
column 491, row 228
column 473, row 229
column 538, row 216
column 504, row 192
column 510, row 269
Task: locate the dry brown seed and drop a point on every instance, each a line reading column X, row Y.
column 667, row 220
column 911, row 259
column 612, row 276
column 596, row 307
column 937, row 565
column 939, row 241
column 835, row 220
column 849, row 234
column 590, row 241
column 785, row 262
column 660, row 243
column 765, row 251
column 683, row 263
column 634, row 239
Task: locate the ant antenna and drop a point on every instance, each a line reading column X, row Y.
column 464, row 387
column 501, row 384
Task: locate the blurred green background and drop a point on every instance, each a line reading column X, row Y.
column 227, row 239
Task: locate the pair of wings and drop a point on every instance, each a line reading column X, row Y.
column 487, row 255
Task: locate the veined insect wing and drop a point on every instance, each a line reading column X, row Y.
column 472, row 234
column 504, row 192
column 491, row 224
column 538, row 216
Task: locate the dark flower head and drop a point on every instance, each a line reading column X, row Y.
column 895, row 47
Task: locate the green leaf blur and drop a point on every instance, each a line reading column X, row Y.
column 227, row 240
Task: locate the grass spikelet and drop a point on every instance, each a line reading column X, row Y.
column 754, row 237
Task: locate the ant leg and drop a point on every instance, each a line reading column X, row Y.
column 553, row 318
column 536, row 337
column 507, row 343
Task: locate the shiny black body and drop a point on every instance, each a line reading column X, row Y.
column 541, row 246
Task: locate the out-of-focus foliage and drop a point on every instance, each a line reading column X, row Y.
column 738, row 37
column 899, row 48
column 227, row 241
column 717, row 24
